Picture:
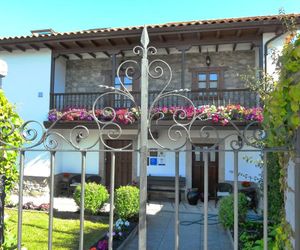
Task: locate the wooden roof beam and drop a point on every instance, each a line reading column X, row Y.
column 169, row 44
column 20, row 48
column 180, row 36
column 65, row 56
column 234, row 46
column 217, row 47
column 35, row 47
column 48, row 46
column 106, row 53
column 79, row 44
column 252, row 46
column 62, row 44
column 167, row 50
column 199, row 36
column 200, row 49
column 238, row 33
column 94, row 43
column 126, row 40
column 8, row 49
column 162, row 38
column 110, row 42
column 78, row 55
column 92, row 55
column 259, row 32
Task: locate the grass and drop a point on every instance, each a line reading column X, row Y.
column 65, row 231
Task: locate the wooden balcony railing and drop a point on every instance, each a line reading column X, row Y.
column 244, row 97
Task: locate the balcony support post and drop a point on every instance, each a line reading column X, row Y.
column 113, row 68
column 183, row 50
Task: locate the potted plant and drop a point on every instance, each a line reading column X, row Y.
column 193, row 196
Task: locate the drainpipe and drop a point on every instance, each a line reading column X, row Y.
column 3, row 71
column 266, row 48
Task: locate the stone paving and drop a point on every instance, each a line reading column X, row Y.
column 160, row 224
column 160, row 233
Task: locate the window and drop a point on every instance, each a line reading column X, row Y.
column 207, row 80
column 127, row 82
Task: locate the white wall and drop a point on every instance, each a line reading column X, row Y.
column 245, row 168
column 168, row 158
column 60, row 75
column 225, row 158
column 28, row 77
column 275, row 46
column 70, row 162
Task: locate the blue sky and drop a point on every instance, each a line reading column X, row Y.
column 18, row 17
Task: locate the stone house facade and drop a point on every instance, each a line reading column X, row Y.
column 61, row 70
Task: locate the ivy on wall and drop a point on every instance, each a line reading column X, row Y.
column 281, row 121
column 281, row 100
column 282, row 107
column 8, row 119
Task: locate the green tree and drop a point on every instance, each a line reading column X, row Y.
column 10, row 122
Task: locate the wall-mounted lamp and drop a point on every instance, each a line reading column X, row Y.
column 207, row 59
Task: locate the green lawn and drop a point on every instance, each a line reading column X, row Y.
column 65, row 231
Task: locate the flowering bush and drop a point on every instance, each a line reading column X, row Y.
column 119, row 233
column 220, row 114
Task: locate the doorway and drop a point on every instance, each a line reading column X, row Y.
column 123, row 164
column 198, row 170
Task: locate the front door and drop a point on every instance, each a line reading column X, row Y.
column 123, row 164
column 198, row 170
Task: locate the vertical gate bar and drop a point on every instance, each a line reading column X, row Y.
column 50, row 229
column 144, row 143
column 205, row 158
column 20, row 207
column 111, row 202
column 236, row 197
column 177, row 193
column 265, row 191
column 297, row 190
column 82, row 196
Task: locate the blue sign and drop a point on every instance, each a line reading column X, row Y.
column 153, row 161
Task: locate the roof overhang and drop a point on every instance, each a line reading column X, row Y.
column 171, row 35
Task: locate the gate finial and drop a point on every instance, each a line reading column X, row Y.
column 145, row 37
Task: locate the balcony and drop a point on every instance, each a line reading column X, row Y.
column 243, row 97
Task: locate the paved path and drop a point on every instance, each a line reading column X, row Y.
column 160, row 233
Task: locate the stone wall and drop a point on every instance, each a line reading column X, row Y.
column 86, row 75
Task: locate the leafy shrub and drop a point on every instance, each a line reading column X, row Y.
column 10, row 236
column 9, row 119
column 226, row 213
column 95, row 196
column 127, row 202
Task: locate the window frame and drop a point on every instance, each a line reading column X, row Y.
column 207, row 70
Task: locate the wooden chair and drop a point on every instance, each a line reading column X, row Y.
column 94, row 178
column 223, row 189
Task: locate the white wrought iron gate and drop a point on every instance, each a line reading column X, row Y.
column 179, row 133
